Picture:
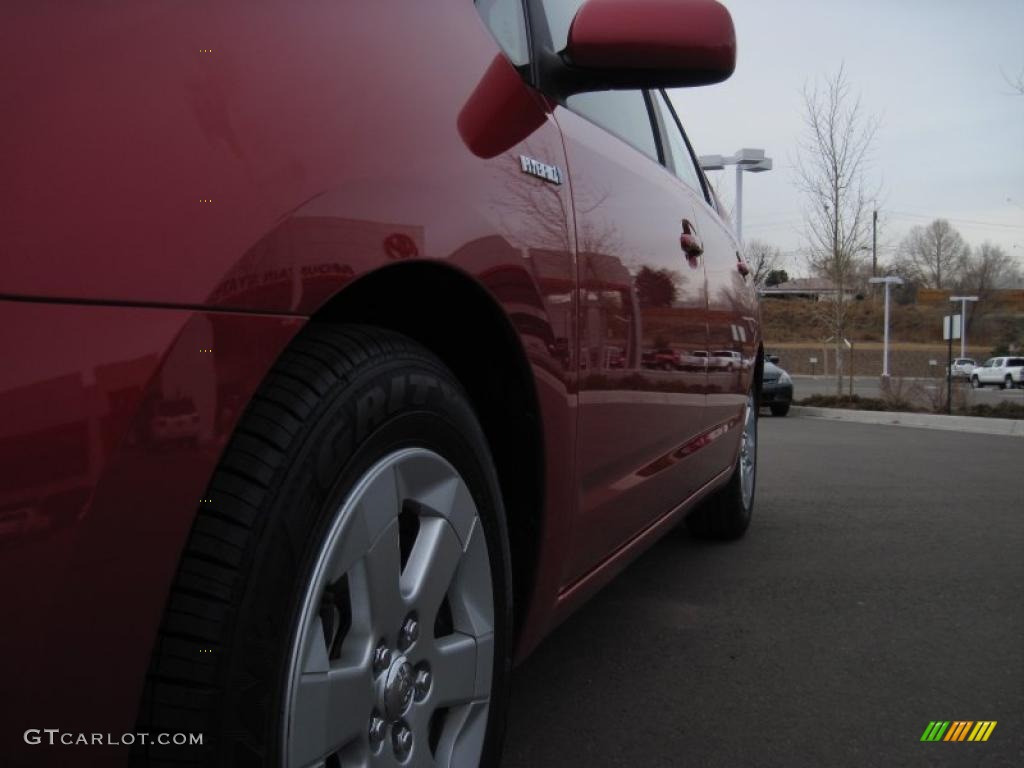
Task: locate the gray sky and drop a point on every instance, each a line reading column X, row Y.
column 951, row 137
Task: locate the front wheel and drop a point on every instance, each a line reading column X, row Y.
column 345, row 599
column 779, row 409
column 975, row 383
column 726, row 515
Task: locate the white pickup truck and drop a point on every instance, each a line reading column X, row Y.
column 1007, row 372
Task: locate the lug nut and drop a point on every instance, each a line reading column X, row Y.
column 422, row 683
column 401, row 740
column 381, row 659
column 409, row 633
column 377, row 726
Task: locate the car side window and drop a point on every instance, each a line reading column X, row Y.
column 624, row 113
column 679, row 158
column 507, row 22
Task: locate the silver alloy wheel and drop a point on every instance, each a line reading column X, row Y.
column 748, row 452
column 394, row 651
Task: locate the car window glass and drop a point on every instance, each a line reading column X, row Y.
column 623, row 113
column 507, row 23
column 680, row 161
column 559, row 15
column 1015, row 361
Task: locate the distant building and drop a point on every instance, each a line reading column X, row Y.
column 816, row 288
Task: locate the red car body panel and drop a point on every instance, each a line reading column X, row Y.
column 95, row 507
column 185, row 185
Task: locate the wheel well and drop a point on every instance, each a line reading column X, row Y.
column 454, row 317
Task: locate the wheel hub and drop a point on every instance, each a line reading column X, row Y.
column 397, row 689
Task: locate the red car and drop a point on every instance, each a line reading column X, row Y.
column 401, row 261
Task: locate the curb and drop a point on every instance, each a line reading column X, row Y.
column 973, row 424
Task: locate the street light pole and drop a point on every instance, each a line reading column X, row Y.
column 888, row 281
column 963, row 320
column 752, row 160
column 739, row 202
column 874, row 244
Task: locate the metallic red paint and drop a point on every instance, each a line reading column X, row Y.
column 190, row 177
column 95, row 502
column 676, row 42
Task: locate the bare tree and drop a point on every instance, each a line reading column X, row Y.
column 934, row 256
column 831, row 166
column 763, row 259
column 1016, row 82
column 988, row 269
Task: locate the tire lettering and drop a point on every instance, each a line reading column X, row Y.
column 397, row 394
column 421, row 386
column 370, row 411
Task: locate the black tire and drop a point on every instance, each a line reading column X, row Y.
column 975, row 383
column 725, row 515
column 779, row 409
column 315, row 426
column 1008, row 384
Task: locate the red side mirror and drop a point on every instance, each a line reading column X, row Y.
column 653, row 43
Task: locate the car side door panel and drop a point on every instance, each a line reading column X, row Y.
column 642, row 313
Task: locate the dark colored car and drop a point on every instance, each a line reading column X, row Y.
column 324, row 382
column 776, row 388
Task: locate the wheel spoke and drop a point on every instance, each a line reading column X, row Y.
column 420, row 755
column 431, row 481
column 432, row 562
column 375, row 504
column 464, row 732
column 458, row 678
column 376, row 599
column 329, row 710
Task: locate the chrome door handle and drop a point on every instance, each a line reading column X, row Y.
column 689, row 241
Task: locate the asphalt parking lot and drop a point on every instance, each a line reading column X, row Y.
column 881, row 586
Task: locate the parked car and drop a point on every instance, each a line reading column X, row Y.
column 346, row 236
column 776, row 387
column 1007, row 372
column 962, row 367
column 727, row 359
column 665, row 359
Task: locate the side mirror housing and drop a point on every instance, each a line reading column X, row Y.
column 628, row 44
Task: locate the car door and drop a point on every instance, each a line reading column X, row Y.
column 993, row 372
column 733, row 316
column 642, row 312
column 979, row 372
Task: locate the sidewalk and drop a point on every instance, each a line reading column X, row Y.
column 975, row 424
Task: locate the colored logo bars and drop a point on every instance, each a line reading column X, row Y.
column 958, row 730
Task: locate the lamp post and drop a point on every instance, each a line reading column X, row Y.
column 889, row 282
column 752, row 160
column 963, row 320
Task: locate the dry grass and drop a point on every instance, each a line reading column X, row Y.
column 791, row 330
column 794, row 320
